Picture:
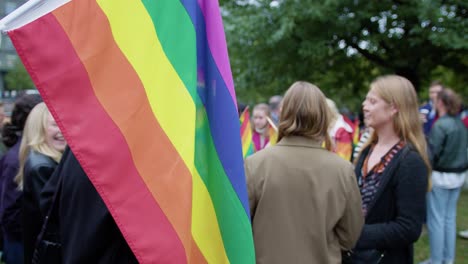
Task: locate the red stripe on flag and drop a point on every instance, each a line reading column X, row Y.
column 96, row 140
column 245, row 119
column 156, row 159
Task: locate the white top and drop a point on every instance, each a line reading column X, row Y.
column 448, row 180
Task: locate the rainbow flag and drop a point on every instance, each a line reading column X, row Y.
column 248, row 147
column 143, row 92
column 356, row 133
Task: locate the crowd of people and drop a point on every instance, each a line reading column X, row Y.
column 410, row 163
column 322, row 188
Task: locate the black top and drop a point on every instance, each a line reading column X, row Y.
column 37, row 171
column 87, row 230
column 395, row 217
column 10, row 196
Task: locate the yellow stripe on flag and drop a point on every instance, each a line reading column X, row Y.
column 162, row 85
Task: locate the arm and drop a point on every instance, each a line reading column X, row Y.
column 436, row 142
column 410, row 195
column 46, row 196
column 349, row 226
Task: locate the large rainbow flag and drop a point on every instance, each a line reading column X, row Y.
column 144, row 95
column 248, row 147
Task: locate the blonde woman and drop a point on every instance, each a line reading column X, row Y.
column 304, row 201
column 392, row 173
column 40, row 150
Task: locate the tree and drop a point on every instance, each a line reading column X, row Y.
column 342, row 45
column 18, row 78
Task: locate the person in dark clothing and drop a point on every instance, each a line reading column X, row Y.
column 428, row 113
column 88, row 232
column 3, row 148
column 392, row 173
column 40, row 151
column 10, row 196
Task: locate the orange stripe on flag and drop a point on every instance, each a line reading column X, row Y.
column 119, row 89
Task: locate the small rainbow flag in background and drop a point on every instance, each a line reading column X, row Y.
column 143, row 93
column 248, row 147
column 273, row 132
column 356, row 133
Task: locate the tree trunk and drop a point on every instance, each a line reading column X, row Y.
column 412, row 75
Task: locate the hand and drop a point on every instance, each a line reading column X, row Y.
column 423, row 117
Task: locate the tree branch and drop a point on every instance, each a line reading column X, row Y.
column 370, row 56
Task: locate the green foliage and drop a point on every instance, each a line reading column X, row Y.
column 18, row 78
column 342, row 45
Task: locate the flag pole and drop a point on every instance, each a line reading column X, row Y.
column 245, row 109
column 17, row 13
column 272, row 124
column 28, row 12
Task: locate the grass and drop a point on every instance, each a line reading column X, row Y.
column 421, row 248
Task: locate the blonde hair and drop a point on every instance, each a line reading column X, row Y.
column 34, row 139
column 399, row 91
column 335, row 114
column 262, row 107
column 265, row 108
column 305, row 113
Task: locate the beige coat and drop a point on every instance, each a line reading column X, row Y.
column 304, row 201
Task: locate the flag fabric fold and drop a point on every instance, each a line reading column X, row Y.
column 143, row 93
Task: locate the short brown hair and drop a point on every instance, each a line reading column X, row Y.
column 451, row 101
column 437, row 83
column 305, row 113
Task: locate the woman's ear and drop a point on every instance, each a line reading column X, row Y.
column 393, row 109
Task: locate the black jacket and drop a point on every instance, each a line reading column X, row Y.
column 37, row 171
column 87, row 230
column 395, row 217
column 10, row 195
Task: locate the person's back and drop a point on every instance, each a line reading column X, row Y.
column 306, row 196
column 304, row 201
column 449, row 144
column 449, row 141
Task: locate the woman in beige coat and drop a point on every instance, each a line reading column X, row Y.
column 304, row 201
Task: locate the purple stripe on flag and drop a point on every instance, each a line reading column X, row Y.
column 216, row 38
